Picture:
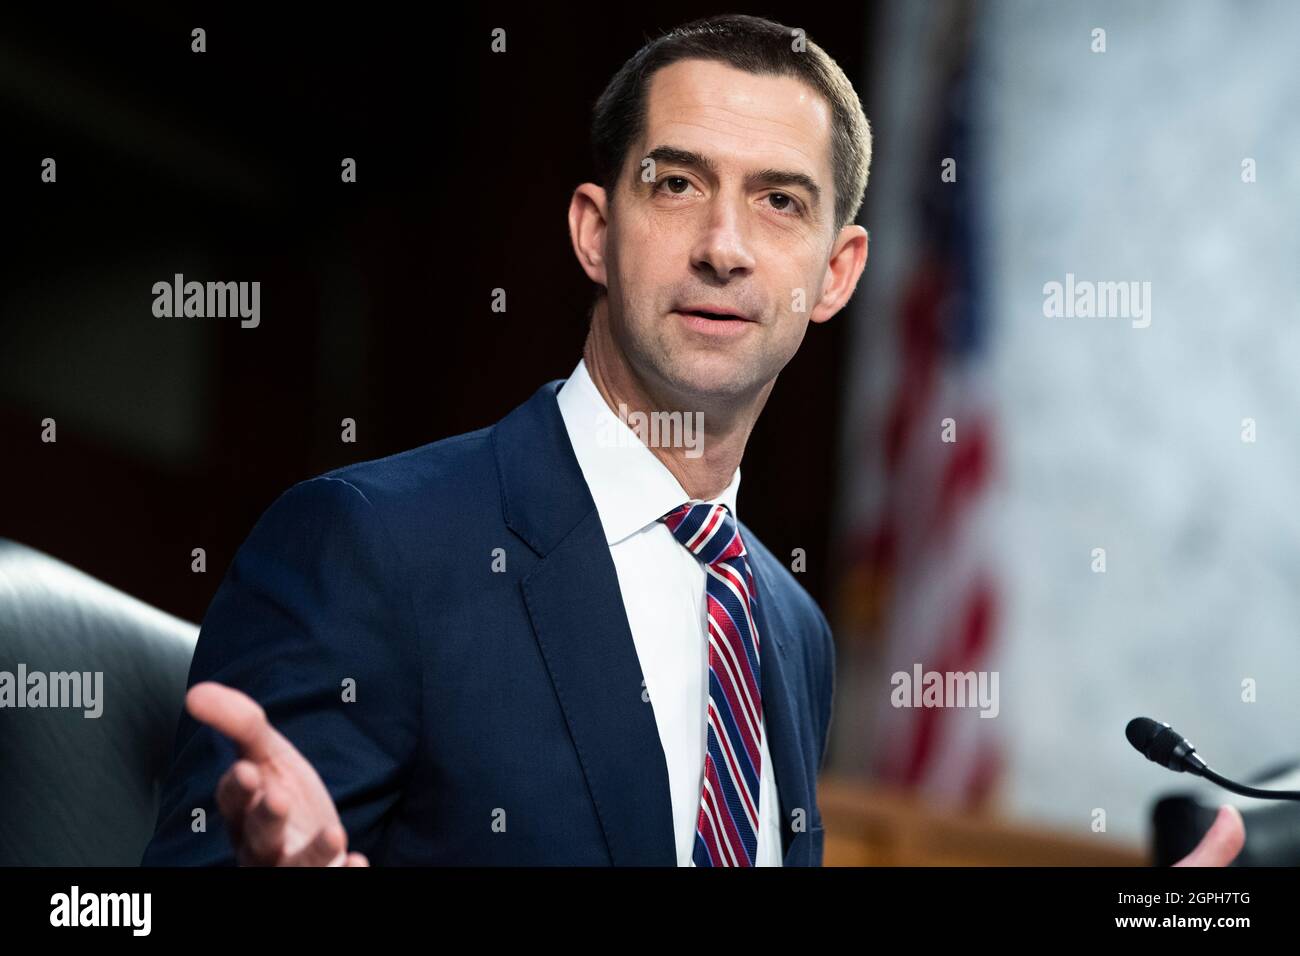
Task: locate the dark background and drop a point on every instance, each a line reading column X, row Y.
column 177, row 433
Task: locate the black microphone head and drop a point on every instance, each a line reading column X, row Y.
column 1141, row 731
column 1161, row 744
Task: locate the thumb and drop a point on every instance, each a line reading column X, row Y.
column 1221, row 843
column 236, row 715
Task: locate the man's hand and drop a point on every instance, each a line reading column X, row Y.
column 275, row 805
column 1221, row 843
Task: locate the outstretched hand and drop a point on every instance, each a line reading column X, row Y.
column 276, row 807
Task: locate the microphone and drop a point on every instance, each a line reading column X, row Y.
column 1160, row 743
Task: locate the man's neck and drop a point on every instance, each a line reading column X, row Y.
column 708, row 469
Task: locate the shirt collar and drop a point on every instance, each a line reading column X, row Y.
column 631, row 487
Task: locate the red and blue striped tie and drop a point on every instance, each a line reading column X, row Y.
column 726, row 831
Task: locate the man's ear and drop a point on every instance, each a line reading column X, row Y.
column 848, row 257
column 588, row 218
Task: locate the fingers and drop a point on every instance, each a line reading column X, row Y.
column 325, row 849
column 235, row 714
column 235, row 792
column 264, row 824
column 256, row 819
column 1221, row 843
column 257, row 815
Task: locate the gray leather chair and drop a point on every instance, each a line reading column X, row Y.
column 78, row 790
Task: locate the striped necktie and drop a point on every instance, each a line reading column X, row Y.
column 726, row 830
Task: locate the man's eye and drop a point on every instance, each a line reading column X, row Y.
column 675, row 179
column 783, row 203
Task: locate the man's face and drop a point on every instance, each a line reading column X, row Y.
column 738, row 217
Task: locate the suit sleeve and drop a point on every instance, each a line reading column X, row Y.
column 827, row 688
column 315, row 622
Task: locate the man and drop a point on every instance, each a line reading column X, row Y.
column 551, row 641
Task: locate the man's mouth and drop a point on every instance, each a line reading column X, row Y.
column 714, row 322
column 714, row 313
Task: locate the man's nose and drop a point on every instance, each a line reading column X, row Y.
column 723, row 248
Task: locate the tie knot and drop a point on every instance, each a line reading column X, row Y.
column 707, row 530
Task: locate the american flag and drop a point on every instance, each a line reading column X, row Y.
column 919, row 588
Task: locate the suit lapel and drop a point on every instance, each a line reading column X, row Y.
column 577, row 612
column 783, row 737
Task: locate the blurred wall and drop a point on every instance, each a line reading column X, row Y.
column 1127, row 165
column 1118, row 432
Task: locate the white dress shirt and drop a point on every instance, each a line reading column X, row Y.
column 663, row 587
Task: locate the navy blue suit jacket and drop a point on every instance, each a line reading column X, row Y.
column 498, row 716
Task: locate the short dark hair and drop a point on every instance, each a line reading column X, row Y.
column 754, row 45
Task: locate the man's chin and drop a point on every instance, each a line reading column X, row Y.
column 714, row 378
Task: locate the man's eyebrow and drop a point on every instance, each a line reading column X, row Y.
column 763, row 177
column 682, row 157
